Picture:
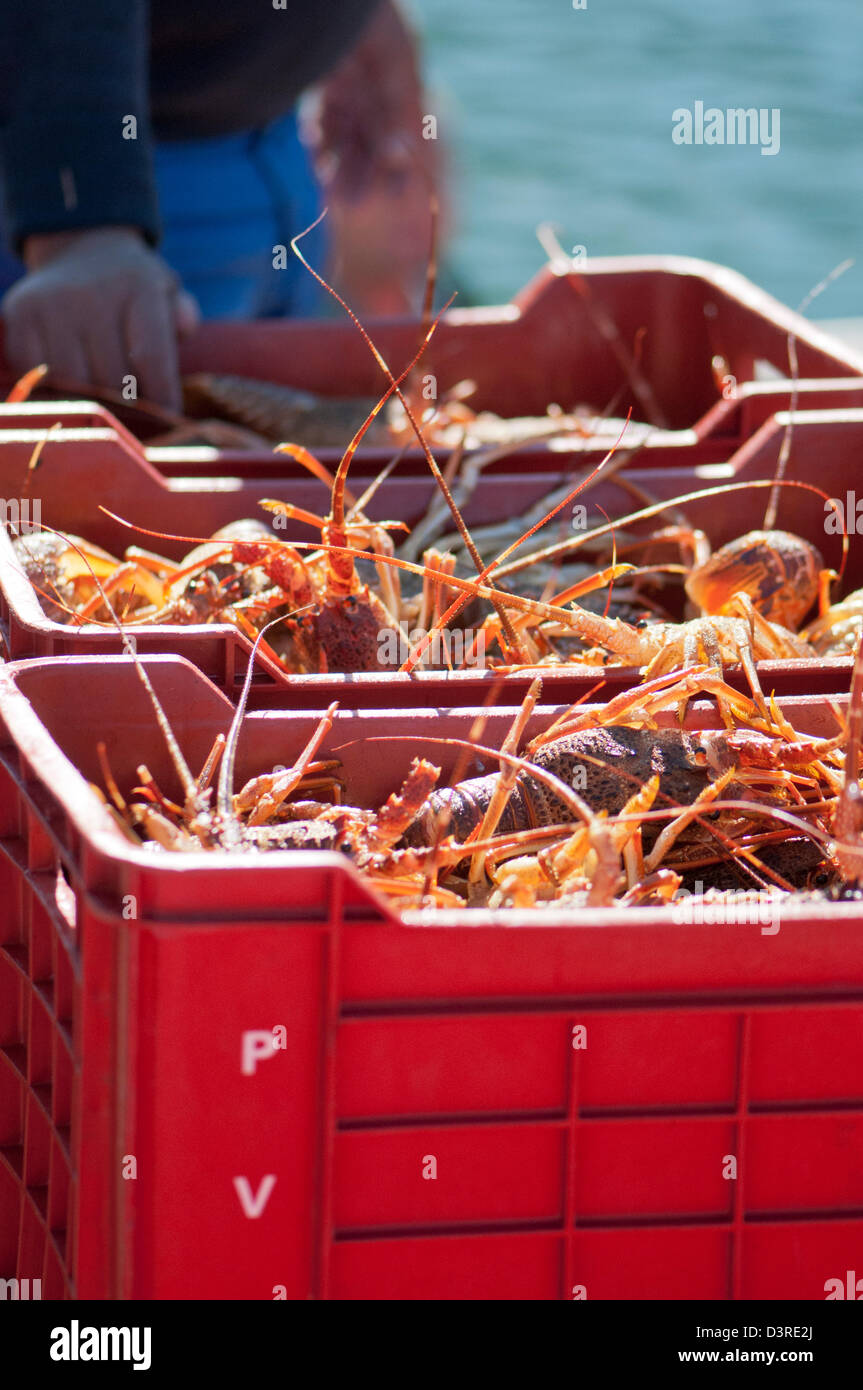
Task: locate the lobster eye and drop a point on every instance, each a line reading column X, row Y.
column 699, row 757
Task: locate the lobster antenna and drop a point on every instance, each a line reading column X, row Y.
column 338, row 498
column 657, row 508
column 438, row 476
column 431, row 274
column 224, row 793
column 26, row 385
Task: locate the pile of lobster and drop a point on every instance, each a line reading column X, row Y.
column 329, row 606
column 613, row 804
column 609, row 805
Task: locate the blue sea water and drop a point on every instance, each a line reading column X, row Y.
column 564, row 115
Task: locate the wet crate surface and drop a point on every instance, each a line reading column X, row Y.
column 510, row 1106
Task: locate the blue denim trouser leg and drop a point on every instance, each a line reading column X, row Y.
column 228, row 205
column 11, row 268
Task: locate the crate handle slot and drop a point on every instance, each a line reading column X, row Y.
column 64, row 896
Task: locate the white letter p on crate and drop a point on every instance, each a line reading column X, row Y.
column 257, row 1043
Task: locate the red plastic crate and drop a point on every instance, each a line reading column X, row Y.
column 722, row 430
column 553, row 344
column 82, row 469
column 445, row 1037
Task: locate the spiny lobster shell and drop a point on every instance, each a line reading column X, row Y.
column 343, row 635
column 615, row 762
column 277, row 412
column 779, row 572
column 605, row 765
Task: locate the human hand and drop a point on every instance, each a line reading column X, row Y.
column 98, row 305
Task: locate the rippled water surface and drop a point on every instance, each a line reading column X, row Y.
column 563, row 115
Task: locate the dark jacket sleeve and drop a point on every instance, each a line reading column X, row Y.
column 75, row 90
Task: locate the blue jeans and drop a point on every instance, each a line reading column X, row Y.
column 227, row 204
